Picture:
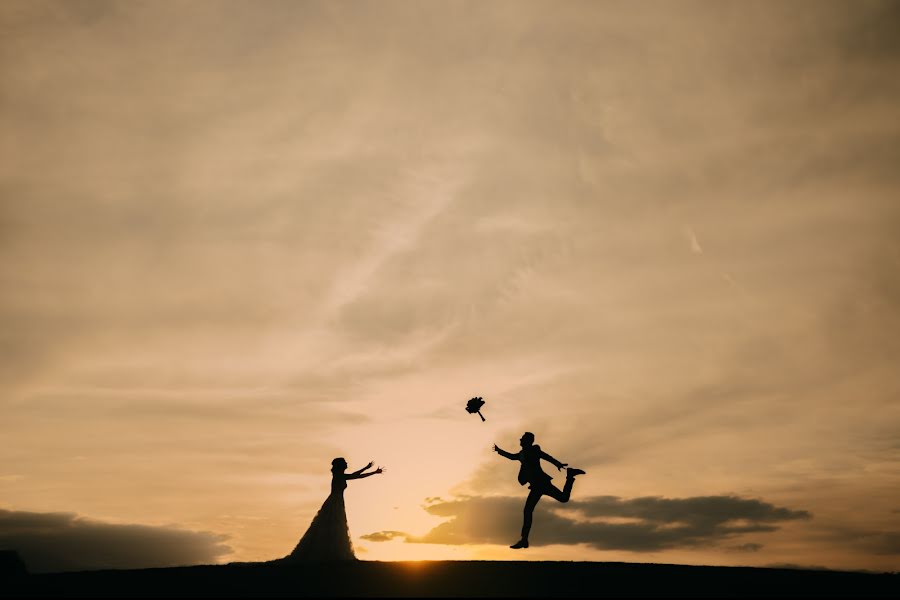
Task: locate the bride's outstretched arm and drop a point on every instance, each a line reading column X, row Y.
column 359, row 475
column 368, row 466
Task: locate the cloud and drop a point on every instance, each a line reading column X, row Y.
column 692, row 240
column 749, row 547
column 647, row 524
column 394, row 238
column 49, row 542
column 879, row 542
column 885, row 542
column 383, row 536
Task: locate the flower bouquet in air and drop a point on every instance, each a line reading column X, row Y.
column 474, row 405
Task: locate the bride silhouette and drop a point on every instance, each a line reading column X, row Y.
column 328, row 537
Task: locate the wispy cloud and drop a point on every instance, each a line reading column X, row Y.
column 691, row 237
column 428, row 194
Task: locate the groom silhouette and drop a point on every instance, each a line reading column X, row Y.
column 530, row 472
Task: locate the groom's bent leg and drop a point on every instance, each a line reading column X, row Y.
column 533, row 496
column 562, row 496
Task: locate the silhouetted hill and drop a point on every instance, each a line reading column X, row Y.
column 458, row 578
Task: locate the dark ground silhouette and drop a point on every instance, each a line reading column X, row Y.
column 539, row 483
column 457, row 579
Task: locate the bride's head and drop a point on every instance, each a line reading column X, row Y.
column 338, row 465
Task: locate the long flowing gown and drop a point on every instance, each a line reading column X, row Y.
column 328, row 536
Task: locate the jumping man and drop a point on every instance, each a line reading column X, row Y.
column 530, row 472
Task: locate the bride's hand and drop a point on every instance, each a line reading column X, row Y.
column 368, row 466
column 379, row 470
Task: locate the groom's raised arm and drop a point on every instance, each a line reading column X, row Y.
column 551, row 460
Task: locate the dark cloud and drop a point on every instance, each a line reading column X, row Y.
column 702, row 510
column 872, row 34
column 384, row 536
column 605, row 522
column 750, row 547
column 49, row 542
column 884, row 543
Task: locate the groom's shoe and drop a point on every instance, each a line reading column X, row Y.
column 520, row 544
column 571, row 473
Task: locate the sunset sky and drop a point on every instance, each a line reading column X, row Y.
column 239, row 239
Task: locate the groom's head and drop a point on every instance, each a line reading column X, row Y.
column 527, row 439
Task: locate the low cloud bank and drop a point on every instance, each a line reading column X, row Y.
column 49, row 542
